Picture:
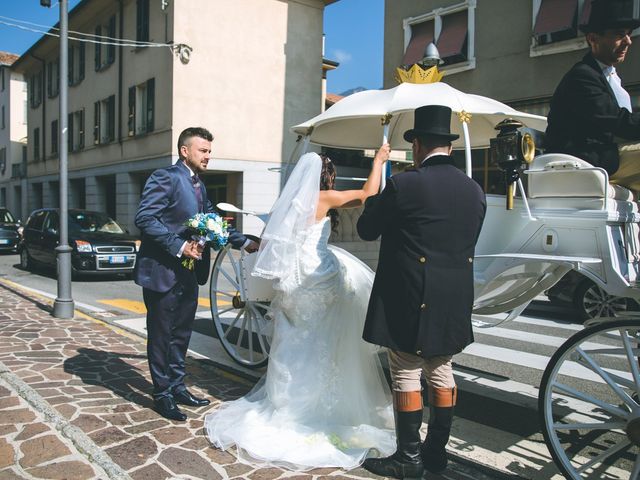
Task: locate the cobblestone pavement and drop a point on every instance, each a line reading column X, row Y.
column 74, row 404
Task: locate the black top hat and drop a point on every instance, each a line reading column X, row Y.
column 431, row 121
column 610, row 14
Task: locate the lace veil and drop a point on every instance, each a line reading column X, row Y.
column 293, row 212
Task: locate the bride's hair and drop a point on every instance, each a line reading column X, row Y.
column 328, row 182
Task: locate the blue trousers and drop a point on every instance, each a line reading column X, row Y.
column 170, row 317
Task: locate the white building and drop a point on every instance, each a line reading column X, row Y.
column 245, row 69
column 13, row 136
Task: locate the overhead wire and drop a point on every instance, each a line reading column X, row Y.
column 8, row 21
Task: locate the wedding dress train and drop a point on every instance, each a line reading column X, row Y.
column 324, row 401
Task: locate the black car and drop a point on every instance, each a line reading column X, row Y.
column 587, row 299
column 100, row 245
column 9, row 236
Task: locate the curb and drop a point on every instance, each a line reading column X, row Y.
column 80, row 440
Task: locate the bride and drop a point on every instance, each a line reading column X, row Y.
column 323, row 401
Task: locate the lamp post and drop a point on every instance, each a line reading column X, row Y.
column 63, row 306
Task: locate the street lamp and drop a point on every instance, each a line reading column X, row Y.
column 63, row 305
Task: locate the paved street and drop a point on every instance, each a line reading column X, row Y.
column 74, row 397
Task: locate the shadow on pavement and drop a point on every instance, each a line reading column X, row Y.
column 111, row 370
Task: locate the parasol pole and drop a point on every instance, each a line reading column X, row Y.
column 465, row 118
column 386, row 168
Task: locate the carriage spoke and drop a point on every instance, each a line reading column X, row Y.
column 250, row 334
column 227, row 294
column 632, row 359
column 241, row 334
column 606, row 454
column 233, row 281
column 233, row 324
column 221, row 312
column 613, row 410
column 593, row 366
column 590, row 426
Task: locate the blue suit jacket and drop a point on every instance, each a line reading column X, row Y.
column 168, row 200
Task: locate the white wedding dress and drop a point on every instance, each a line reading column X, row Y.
column 324, row 401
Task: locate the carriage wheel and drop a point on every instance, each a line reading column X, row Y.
column 240, row 324
column 589, row 402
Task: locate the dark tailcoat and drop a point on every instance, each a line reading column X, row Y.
column 422, row 296
column 585, row 118
column 170, row 290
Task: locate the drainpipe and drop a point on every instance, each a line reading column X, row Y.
column 120, row 63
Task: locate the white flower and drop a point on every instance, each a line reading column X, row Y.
column 193, row 223
column 211, row 224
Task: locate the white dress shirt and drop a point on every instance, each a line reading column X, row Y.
column 622, row 96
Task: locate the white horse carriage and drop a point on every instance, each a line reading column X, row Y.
column 567, row 217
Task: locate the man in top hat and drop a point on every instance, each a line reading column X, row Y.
column 590, row 107
column 420, row 306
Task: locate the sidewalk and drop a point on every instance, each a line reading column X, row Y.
column 74, row 404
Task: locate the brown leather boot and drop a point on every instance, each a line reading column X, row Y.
column 441, row 403
column 406, row 462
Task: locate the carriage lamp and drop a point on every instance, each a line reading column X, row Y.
column 512, row 150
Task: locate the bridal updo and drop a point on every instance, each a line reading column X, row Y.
column 328, row 182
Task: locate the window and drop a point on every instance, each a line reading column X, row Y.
column 3, row 163
column 53, row 78
column 2, row 121
column 35, row 90
column 36, row 144
column 76, row 63
column 556, row 24
column 142, row 20
column 141, row 108
column 75, row 135
column 54, row 138
column 2, row 69
column 105, row 55
column 452, row 30
column 104, row 120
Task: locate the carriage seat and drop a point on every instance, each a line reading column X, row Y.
column 557, row 175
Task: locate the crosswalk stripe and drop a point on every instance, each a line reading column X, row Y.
column 531, row 360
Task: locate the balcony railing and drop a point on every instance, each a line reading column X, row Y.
column 18, row 170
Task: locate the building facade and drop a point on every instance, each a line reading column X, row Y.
column 513, row 51
column 207, row 63
column 13, row 136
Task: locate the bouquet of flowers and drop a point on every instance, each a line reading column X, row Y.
column 206, row 227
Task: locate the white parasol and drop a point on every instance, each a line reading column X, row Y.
column 358, row 121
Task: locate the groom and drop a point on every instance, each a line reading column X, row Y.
column 420, row 306
column 170, row 290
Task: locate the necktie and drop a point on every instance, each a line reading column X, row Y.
column 622, row 96
column 196, row 185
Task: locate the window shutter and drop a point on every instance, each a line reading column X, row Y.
column 50, row 79
column 81, row 63
column 57, row 76
column 132, row 111
column 70, row 132
column 150, row 103
column 111, row 118
column 111, row 49
column 81, row 130
column 96, row 123
column 98, row 47
column 71, row 62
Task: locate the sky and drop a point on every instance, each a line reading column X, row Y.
column 353, row 37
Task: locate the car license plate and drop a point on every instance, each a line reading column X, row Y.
column 118, row 259
column 4, row 241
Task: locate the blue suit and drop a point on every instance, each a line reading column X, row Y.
column 170, row 291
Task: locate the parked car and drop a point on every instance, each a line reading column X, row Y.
column 9, row 236
column 588, row 299
column 100, row 245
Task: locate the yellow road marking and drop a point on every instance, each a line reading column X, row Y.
column 136, row 306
